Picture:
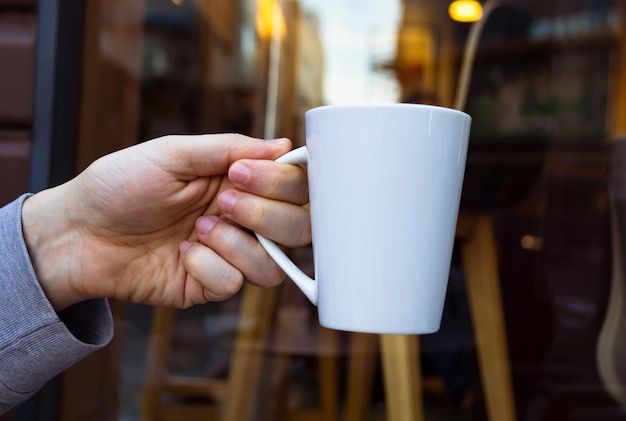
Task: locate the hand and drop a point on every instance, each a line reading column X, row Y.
column 161, row 223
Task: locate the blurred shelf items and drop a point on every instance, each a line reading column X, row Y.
column 533, row 327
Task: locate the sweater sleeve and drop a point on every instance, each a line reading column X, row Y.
column 36, row 343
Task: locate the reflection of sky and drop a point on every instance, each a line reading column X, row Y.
column 355, row 33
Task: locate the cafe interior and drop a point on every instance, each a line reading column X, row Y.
column 534, row 322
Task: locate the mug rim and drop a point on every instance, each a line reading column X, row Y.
column 373, row 106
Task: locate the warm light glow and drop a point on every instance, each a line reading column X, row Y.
column 465, row 10
column 531, row 242
column 178, row 2
column 269, row 18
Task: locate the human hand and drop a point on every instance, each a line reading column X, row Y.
column 160, row 223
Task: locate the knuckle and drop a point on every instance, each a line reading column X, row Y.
column 276, row 181
column 301, row 234
column 305, row 233
column 228, row 240
column 220, row 280
column 192, row 260
column 268, row 275
column 230, row 283
column 253, row 215
column 275, row 276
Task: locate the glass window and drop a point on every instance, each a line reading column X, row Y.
column 533, row 320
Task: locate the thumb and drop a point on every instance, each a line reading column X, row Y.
column 207, row 155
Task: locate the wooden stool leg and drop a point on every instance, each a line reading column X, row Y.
column 483, row 288
column 362, row 361
column 157, row 361
column 328, row 374
column 273, row 397
column 401, row 371
column 257, row 307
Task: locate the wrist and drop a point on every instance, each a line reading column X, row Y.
column 51, row 244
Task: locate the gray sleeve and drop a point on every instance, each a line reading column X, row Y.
column 36, row 343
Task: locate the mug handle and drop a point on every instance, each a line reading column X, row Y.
column 307, row 284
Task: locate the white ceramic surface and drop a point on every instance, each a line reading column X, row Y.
column 385, row 184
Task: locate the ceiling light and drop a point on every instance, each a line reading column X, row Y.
column 465, row 10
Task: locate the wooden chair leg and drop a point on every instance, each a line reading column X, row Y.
column 362, row 361
column 401, row 371
column 239, row 392
column 273, row 396
column 483, row 288
column 257, row 307
column 328, row 374
column 157, row 362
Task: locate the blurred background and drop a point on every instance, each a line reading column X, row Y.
column 533, row 324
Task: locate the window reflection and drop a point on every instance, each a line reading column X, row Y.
column 357, row 36
column 539, row 94
column 547, row 94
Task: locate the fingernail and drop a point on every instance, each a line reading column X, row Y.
column 204, row 224
column 226, row 202
column 239, row 173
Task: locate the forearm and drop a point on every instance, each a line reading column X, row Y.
column 36, row 343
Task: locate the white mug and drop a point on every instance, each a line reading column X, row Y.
column 385, row 185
